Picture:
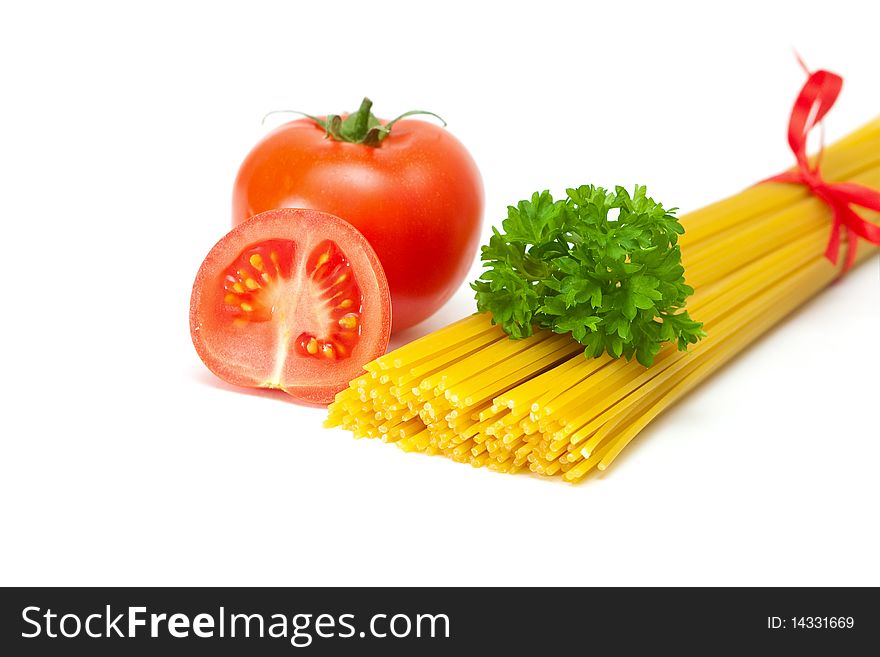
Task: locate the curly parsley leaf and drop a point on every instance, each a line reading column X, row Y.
column 615, row 283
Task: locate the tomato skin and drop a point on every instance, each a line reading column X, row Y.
column 249, row 356
column 417, row 198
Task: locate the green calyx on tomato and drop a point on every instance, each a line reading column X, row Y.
column 361, row 127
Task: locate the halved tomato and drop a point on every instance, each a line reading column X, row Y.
column 291, row 299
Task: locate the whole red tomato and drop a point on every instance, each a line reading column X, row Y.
column 409, row 186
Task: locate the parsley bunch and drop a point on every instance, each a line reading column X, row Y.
column 616, row 284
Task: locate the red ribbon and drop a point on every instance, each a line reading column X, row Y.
column 817, row 97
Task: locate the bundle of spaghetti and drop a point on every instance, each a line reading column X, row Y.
column 539, row 405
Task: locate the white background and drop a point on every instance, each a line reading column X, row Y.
column 125, row 462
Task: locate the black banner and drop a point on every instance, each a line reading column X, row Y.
column 435, row 621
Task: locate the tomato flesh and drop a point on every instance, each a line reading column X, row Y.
column 295, row 300
column 251, row 281
column 259, row 288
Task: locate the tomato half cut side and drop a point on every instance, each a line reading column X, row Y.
column 291, row 299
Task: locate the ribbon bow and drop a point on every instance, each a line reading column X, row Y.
column 817, row 97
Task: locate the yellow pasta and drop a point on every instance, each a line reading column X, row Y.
column 538, row 405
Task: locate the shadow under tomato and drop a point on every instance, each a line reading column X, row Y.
column 205, row 377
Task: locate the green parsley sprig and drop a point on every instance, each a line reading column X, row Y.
column 615, row 283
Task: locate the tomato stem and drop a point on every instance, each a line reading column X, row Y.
column 360, row 127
